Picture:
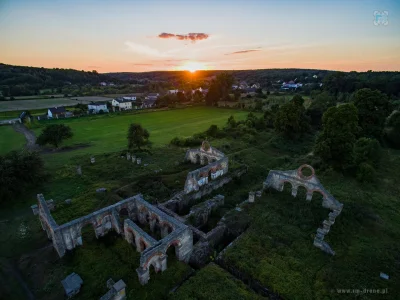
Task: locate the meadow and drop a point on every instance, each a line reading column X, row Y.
column 107, row 133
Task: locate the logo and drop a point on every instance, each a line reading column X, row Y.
column 381, row 18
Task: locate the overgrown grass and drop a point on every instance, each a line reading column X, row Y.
column 212, row 282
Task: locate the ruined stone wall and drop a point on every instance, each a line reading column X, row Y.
column 67, row 236
column 276, row 179
column 203, row 176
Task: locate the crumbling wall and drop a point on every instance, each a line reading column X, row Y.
column 276, row 179
column 67, row 236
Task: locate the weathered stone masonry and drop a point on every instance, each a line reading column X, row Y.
column 276, row 179
column 174, row 233
column 216, row 165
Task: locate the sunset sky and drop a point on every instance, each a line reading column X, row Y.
column 135, row 36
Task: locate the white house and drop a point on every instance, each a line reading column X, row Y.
column 103, row 83
column 173, row 92
column 97, row 107
column 122, row 104
column 152, row 96
column 55, row 112
column 131, row 98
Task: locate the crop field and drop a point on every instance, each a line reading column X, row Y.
column 39, row 103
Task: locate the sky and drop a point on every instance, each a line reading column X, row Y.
column 149, row 35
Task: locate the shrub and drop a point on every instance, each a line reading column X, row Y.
column 54, row 135
column 365, row 173
column 367, row 150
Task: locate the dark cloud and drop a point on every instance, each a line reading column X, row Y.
column 193, row 37
column 243, row 51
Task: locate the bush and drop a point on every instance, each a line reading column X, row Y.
column 54, row 135
column 367, row 150
column 365, row 173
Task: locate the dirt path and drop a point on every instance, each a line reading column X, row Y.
column 29, row 136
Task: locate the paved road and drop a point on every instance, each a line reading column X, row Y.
column 29, row 136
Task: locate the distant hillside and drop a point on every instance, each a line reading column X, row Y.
column 18, row 80
column 261, row 76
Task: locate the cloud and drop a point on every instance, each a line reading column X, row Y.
column 243, row 51
column 193, row 37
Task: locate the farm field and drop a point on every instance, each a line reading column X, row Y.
column 46, row 103
column 108, row 133
column 10, row 140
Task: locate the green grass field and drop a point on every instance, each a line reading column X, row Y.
column 108, row 133
column 10, row 140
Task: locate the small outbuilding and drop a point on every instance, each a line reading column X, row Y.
column 72, row 284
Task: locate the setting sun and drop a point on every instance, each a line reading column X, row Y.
column 192, row 66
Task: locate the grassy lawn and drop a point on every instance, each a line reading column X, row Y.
column 108, row 133
column 10, row 140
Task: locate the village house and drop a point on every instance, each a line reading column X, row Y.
column 152, row 96
column 243, row 85
column 256, row 86
column 173, row 92
column 290, row 85
column 122, row 103
column 56, row 112
column 131, row 98
column 148, row 103
column 97, row 107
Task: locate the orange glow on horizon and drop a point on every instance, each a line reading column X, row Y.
column 192, row 66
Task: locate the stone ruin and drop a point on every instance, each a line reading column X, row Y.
column 153, row 253
column 174, row 231
column 116, row 290
column 72, row 284
column 215, row 165
column 276, row 179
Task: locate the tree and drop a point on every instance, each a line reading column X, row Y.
column 373, row 108
column 19, row 170
column 319, row 105
column 137, row 137
column 339, row 130
column 231, row 122
column 392, row 132
column 220, row 88
column 367, row 150
column 291, row 119
column 181, row 97
column 54, row 135
column 198, row 96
